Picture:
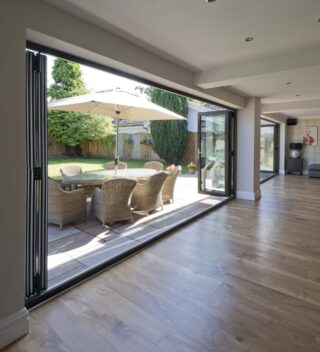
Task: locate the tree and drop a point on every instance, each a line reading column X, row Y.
column 169, row 138
column 71, row 128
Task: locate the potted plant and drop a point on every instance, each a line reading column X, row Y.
column 192, row 168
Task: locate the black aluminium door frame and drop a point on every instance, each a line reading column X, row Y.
column 83, row 61
column 276, row 143
column 276, row 147
column 230, row 152
column 36, row 157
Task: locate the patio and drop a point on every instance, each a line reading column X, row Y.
column 84, row 245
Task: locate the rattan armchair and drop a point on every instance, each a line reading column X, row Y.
column 111, row 165
column 155, row 165
column 111, row 203
column 168, row 187
column 147, row 195
column 70, row 170
column 63, row 206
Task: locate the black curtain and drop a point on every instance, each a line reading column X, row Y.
column 36, row 123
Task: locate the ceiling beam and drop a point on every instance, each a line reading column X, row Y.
column 276, row 117
column 292, row 105
column 258, row 69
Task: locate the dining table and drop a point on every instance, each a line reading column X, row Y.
column 97, row 178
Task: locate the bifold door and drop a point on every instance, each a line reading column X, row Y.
column 216, row 145
column 269, row 148
column 36, row 268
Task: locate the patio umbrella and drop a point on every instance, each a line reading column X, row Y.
column 117, row 104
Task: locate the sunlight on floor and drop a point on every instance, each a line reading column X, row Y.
column 84, row 245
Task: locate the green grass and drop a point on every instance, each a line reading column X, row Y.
column 87, row 164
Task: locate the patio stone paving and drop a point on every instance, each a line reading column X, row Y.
column 85, row 244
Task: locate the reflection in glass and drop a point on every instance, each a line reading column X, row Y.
column 213, row 153
column 267, row 148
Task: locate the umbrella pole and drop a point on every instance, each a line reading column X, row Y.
column 116, row 157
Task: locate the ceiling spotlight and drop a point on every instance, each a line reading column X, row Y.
column 297, row 95
column 249, row 39
column 210, row 1
column 288, row 83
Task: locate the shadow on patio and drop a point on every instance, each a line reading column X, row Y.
column 87, row 244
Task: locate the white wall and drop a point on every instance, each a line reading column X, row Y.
column 310, row 154
column 38, row 21
column 282, row 148
column 193, row 114
column 248, row 151
column 192, row 120
column 13, row 318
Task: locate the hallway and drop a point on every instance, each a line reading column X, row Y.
column 245, row 277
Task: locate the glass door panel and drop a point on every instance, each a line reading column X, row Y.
column 214, row 153
column 268, row 148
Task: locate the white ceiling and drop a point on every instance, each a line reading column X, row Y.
column 304, row 82
column 206, row 37
column 303, row 114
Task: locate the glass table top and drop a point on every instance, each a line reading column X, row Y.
column 100, row 176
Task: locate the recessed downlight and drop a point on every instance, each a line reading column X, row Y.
column 249, row 39
column 288, row 83
column 297, row 95
column 210, row 1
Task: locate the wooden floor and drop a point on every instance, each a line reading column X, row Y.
column 243, row 278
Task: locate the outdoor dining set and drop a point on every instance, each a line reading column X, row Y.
column 115, row 192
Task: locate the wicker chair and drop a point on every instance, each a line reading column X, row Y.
column 168, row 187
column 111, row 165
column 111, row 203
column 147, row 195
column 155, row 165
column 70, row 170
column 65, row 207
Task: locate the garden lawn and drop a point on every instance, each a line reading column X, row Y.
column 88, row 164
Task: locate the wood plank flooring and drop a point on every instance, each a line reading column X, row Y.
column 245, row 277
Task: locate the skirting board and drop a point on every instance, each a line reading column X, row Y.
column 249, row 195
column 13, row 327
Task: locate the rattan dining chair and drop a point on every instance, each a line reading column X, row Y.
column 155, row 165
column 70, row 170
column 111, row 165
column 64, row 206
column 168, row 187
column 111, row 203
column 147, row 195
